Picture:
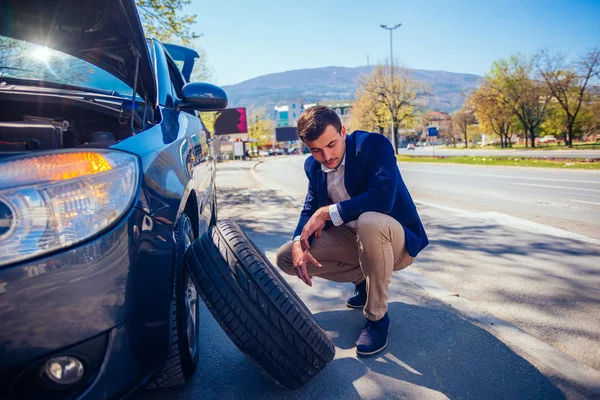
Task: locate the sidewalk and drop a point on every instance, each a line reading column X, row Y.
column 433, row 353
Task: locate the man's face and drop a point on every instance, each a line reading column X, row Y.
column 329, row 148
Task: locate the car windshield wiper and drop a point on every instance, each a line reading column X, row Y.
column 52, row 85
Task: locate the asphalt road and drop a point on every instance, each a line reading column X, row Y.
column 565, row 199
column 428, row 150
column 569, row 200
column 543, row 280
column 521, row 242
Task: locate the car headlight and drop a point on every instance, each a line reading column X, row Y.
column 52, row 201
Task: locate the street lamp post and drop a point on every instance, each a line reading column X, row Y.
column 394, row 139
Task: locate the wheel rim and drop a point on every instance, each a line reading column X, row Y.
column 192, row 316
column 191, row 305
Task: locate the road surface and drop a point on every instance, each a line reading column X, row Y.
column 565, row 199
column 434, row 352
column 522, row 242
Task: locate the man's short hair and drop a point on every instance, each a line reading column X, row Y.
column 313, row 122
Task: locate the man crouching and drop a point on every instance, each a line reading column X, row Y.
column 358, row 223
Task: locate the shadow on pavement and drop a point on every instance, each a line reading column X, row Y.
column 546, row 285
column 432, row 353
column 438, row 350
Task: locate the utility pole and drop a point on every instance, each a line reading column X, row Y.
column 394, row 138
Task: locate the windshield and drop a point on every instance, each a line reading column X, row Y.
column 23, row 60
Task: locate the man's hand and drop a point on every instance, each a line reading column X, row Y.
column 315, row 225
column 300, row 258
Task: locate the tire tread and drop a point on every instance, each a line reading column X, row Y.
column 256, row 307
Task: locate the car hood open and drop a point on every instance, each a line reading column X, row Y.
column 106, row 33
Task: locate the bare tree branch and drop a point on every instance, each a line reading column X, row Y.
column 568, row 82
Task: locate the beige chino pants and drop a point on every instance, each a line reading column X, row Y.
column 372, row 252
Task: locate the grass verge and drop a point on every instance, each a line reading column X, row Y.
column 539, row 147
column 506, row 161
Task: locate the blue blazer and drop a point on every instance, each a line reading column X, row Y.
column 373, row 182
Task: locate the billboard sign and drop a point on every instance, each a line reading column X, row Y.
column 231, row 121
column 286, row 133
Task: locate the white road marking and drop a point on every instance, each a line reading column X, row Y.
column 558, row 187
column 499, row 176
column 512, row 222
column 585, row 202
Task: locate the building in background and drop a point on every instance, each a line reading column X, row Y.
column 443, row 122
column 342, row 108
column 281, row 115
column 438, row 119
column 288, row 114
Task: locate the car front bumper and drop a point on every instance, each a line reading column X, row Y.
column 106, row 300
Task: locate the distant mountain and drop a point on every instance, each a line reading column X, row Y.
column 339, row 83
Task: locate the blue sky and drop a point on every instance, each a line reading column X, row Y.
column 245, row 39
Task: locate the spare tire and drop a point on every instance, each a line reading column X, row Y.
column 256, row 307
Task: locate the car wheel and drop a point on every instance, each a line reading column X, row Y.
column 183, row 354
column 256, row 307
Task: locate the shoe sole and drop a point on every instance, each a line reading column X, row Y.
column 351, row 306
column 365, row 354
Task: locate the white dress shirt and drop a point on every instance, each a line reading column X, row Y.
column 336, row 190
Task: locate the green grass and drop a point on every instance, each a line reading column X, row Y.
column 505, row 161
column 542, row 146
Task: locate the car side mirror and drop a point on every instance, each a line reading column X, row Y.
column 202, row 96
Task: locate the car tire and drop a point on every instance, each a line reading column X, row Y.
column 256, row 307
column 184, row 352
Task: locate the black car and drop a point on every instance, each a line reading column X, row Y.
column 106, row 178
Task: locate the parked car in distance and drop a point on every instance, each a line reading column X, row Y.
column 547, row 139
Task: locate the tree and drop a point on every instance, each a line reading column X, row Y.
column 555, row 121
column 162, row 20
column 461, row 120
column 260, row 127
column 415, row 120
column 568, row 82
column 493, row 114
column 202, row 70
column 368, row 114
column 589, row 119
column 208, row 118
column 450, row 135
column 515, row 128
column 514, row 83
column 398, row 97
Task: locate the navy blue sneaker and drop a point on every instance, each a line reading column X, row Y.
column 360, row 296
column 374, row 337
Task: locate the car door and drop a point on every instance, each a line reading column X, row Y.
column 199, row 160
